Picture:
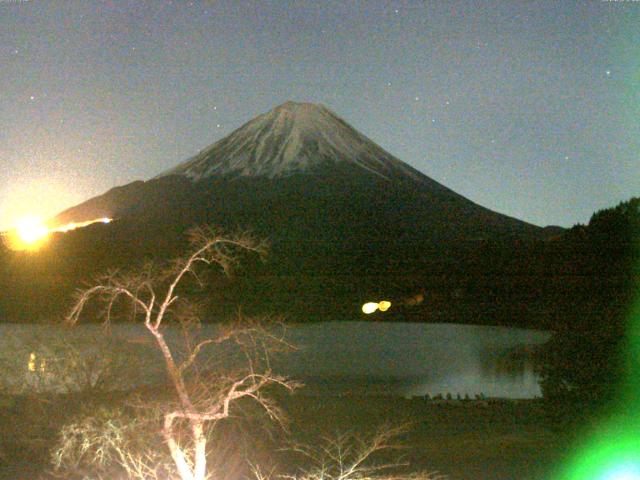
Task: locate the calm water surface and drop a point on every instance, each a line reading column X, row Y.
column 406, row 359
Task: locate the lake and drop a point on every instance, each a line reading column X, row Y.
column 371, row 358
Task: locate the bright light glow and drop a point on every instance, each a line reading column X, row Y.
column 31, row 230
column 623, row 472
column 370, row 307
column 613, row 453
column 31, row 365
column 30, row 233
column 384, row 305
column 74, row 226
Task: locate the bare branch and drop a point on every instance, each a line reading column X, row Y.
column 350, row 457
column 155, row 292
column 194, row 354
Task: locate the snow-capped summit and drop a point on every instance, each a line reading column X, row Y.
column 292, row 138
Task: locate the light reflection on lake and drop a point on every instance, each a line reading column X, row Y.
column 413, row 359
column 407, row 359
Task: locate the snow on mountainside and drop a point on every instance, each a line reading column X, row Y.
column 301, row 156
column 294, row 138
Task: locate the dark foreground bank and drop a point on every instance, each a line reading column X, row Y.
column 492, row 439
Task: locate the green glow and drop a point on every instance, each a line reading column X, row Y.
column 612, row 451
column 613, row 455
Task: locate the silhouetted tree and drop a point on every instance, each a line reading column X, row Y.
column 583, row 364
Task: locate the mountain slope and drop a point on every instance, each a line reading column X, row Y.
column 303, row 157
column 346, row 221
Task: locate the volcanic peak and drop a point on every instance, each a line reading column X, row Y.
column 292, row 138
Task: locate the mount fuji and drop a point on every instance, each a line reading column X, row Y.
column 345, row 219
column 301, row 158
column 294, row 138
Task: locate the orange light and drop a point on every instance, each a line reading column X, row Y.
column 74, row 226
column 371, row 307
column 384, row 305
column 31, row 230
column 30, row 233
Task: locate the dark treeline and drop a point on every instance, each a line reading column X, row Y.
column 565, row 281
column 585, row 364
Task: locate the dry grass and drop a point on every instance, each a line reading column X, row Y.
column 495, row 440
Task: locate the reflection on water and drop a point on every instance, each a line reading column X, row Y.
column 513, row 363
column 412, row 359
column 373, row 358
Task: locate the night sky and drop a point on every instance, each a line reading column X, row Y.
column 528, row 108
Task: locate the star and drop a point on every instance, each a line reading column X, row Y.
column 396, row 11
column 566, row 157
column 218, row 125
column 32, row 97
column 417, row 98
column 215, row 108
column 608, row 72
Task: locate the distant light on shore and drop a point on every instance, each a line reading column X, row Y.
column 371, row 307
column 73, row 225
column 384, row 305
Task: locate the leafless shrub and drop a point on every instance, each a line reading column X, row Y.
column 57, row 359
column 355, row 456
column 110, row 443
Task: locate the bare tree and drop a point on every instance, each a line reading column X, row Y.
column 351, row 456
column 204, row 395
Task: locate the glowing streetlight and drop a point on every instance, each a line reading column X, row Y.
column 384, row 305
column 371, row 307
